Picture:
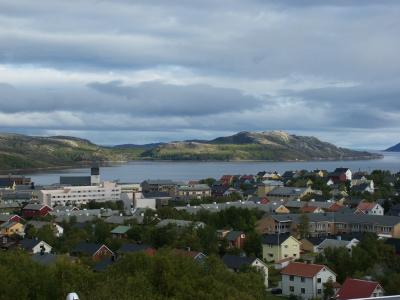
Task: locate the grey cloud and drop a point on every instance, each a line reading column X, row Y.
column 145, row 99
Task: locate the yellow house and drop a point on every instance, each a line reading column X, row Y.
column 281, row 209
column 277, row 247
column 12, row 228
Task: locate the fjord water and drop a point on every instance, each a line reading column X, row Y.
column 137, row 171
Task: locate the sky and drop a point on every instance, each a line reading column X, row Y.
column 147, row 71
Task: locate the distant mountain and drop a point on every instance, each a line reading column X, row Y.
column 273, row 145
column 135, row 146
column 29, row 152
column 395, row 148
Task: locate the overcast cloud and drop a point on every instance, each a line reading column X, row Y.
column 147, row 71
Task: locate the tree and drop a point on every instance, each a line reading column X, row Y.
column 329, row 291
column 304, row 226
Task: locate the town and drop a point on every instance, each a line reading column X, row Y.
column 301, row 234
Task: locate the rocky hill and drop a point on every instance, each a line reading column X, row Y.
column 29, row 152
column 395, row 148
column 273, row 145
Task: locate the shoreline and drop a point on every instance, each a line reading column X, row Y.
column 111, row 163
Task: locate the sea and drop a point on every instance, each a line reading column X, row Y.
column 137, row 171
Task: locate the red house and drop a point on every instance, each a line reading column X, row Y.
column 235, row 239
column 35, row 210
column 357, row 288
column 96, row 251
column 10, row 218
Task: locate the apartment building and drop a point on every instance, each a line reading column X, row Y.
column 78, row 195
column 331, row 224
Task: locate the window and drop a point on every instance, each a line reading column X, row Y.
column 303, row 279
column 319, row 291
column 303, row 290
column 291, row 278
column 291, row 288
column 319, row 280
column 270, row 255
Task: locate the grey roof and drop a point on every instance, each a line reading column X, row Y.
column 274, row 239
column 195, row 187
column 179, row 223
column 5, row 217
column 28, row 244
column 236, row 262
column 131, row 248
column 233, row 235
column 38, row 224
column 33, row 206
column 76, row 180
column 119, row 220
column 342, row 218
column 159, row 182
column 79, row 218
column 332, row 243
column 287, row 191
column 87, row 248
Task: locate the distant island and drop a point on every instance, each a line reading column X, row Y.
column 22, row 152
column 395, row 148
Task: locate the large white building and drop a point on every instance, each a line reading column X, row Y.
column 78, row 195
column 306, row 280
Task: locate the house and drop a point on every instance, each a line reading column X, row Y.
column 336, row 243
column 288, row 193
column 135, row 248
column 358, row 288
column 237, row 263
column 12, row 228
column 305, row 280
column 279, row 246
column 226, row 180
column 369, row 208
column 150, row 186
column 196, row 191
column 34, row 246
column 120, row 231
column 310, row 244
column 96, row 251
column 311, row 209
column 195, row 255
column 236, row 239
column 36, row 210
column 343, row 174
column 394, row 210
column 4, row 218
column 361, row 186
column 283, row 263
column 180, row 223
column 57, row 229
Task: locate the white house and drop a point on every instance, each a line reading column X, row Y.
column 305, row 280
column 336, row 243
column 35, row 246
column 369, row 208
column 236, row 263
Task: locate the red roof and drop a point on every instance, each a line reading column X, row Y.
column 356, row 288
column 303, row 270
column 335, row 207
column 365, row 206
column 308, row 209
column 264, row 200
